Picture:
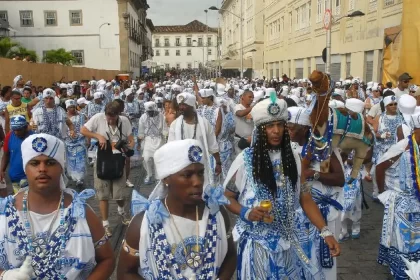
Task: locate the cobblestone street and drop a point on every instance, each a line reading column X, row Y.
column 358, row 259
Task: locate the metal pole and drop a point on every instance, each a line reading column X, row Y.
column 328, row 64
column 218, row 49
column 242, row 44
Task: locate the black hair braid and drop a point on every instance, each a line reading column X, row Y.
column 262, row 168
column 288, row 159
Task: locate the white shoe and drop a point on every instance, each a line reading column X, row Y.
column 129, row 184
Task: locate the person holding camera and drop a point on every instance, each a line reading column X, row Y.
column 115, row 140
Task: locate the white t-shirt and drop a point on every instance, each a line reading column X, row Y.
column 375, row 110
column 244, row 125
column 98, row 124
column 189, row 134
column 399, row 93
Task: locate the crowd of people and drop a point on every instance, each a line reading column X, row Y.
column 211, row 147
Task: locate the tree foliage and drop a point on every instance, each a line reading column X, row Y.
column 59, row 56
column 22, row 53
column 6, row 46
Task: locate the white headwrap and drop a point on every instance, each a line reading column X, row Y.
column 416, row 117
column 150, row 106
column 390, row 99
column 70, row 103
column 298, row 115
column 172, row 158
column 187, row 98
column 43, row 144
column 355, row 105
column 97, row 95
column 48, row 93
column 269, row 110
column 82, row 100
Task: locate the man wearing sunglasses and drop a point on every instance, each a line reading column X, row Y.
column 12, row 156
column 403, row 82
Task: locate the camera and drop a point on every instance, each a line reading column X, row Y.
column 122, row 146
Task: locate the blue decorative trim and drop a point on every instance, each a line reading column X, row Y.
column 392, row 258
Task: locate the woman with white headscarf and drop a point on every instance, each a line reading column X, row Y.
column 398, row 180
column 47, row 231
column 181, row 231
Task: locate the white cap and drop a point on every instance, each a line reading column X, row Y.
column 97, row 95
column 298, row 115
column 82, row 100
column 69, row 103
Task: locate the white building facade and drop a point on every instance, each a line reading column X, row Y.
column 184, row 46
column 101, row 34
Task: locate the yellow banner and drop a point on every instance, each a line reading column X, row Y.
column 403, row 51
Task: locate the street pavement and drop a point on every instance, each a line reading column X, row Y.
column 358, row 258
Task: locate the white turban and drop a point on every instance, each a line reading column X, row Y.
column 176, row 155
column 150, row 106
column 335, row 104
column 298, row 115
column 355, row 105
column 97, row 95
column 43, row 144
column 416, row 117
column 70, row 103
column 269, row 110
column 206, row 92
column 48, row 93
column 186, row 98
column 82, row 100
column 390, row 99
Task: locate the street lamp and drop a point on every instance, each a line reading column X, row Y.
column 352, row 15
column 99, row 32
column 213, row 8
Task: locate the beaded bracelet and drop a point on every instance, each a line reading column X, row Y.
column 129, row 250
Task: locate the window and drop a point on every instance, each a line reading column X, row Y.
column 208, row 51
column 189, row 66
column 290, row 22
column 189, row 42
column 178, row 53
column 26, row 19
column 50, row 18
column 79, row 57
column 351, row 5
column 178, row 66
column 166, row 52
column 209, row 41
column 3, row 15
column 319, row 11
column 167, row 66
column 166, row 42
column 200, row 42
column 188, row 52
column 157, row 52
column 178, row 42
column 337, row 7
column 76, row 18
column 157, row 43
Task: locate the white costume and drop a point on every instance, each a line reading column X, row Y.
column 169, row 245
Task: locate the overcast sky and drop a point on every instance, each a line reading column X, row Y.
column 180, row 12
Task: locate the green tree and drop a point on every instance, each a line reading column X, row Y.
column 60, row 56
column 6, row 46
column 22, row 53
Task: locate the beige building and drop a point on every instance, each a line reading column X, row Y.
column 253, row 34
column 287, row 36
column 295, row 37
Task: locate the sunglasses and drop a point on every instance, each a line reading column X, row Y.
column 406, row 82
column 392, row 104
